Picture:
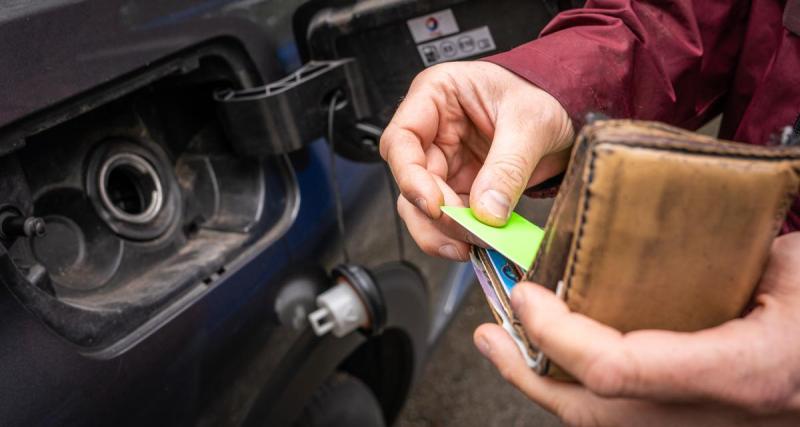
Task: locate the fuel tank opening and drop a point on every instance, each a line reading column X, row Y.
column 130, row 188
column 133, row 188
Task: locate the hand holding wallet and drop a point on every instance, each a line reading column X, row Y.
column 655, row 227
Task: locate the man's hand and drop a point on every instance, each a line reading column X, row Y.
column 744, row 372
column 470, row 132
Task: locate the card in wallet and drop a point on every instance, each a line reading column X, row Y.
column 500, row 268
column 497, row 276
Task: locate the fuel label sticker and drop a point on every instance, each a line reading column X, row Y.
column 433, row 26
column 462, row 45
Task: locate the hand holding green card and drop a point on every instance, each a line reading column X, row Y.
column 518, row 240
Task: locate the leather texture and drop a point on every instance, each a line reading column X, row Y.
column 659, row 228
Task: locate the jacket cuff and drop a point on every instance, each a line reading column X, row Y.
column 546, row 189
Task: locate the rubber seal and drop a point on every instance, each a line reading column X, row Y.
column 363, row 282
column 162, row 215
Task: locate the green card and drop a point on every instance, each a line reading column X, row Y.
column 518, row 240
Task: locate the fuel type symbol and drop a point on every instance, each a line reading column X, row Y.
column 466, row 44
column 430, row 53
column 448, row 49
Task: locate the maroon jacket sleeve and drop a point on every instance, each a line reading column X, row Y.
column 660, row 60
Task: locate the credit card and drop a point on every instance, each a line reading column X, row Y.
column 499, row 269
column 486, row 285
column 494, row 281
column 518, row 240
column 508, row 272
column 499, row 303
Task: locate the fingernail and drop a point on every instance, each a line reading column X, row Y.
column 449, row 251
column 484, row 347
column 422, row 204
column 496, row 203
column 517, row 300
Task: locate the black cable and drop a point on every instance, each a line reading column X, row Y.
column 398, row 225
column 335, row 178
column 393, row 192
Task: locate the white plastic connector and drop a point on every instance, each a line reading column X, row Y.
column 340, row 310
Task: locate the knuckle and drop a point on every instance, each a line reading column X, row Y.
column 427, row 245
column 548, row 115
column 387, row 145
column 507, row 373
column 786, row 242
column 405, row 181
column 438, row 69
column 468, row 238
column 429, row 75
column 606, row 376
column 535, row 326
column 577, row 415
column 577, row 418
column 427, row 249
column 567, row 414
column 512, row 170
column 424, row 241
column 787, row 248
column 426, row 74
column 439, row 76
column 535, row 330
column 385, row 142
column 765, row 396
column 552, row 120
column 400, row 206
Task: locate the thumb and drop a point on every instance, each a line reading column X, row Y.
column 505, row 172
column 783, row 267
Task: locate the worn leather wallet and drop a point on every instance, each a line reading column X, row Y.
column 656, row 227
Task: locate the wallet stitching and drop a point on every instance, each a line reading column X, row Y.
column 581, row 225
column 776, row 156
column 701, row 145
column 570, row 176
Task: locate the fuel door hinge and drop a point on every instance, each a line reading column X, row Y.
column 290, row 113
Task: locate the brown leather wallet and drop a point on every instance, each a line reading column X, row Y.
column 660, row 228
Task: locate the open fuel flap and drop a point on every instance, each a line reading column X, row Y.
column 121, row 207
column 364, row 55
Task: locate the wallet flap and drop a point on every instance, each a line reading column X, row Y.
column 673, row 240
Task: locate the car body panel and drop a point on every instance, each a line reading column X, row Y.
column 57, row 49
